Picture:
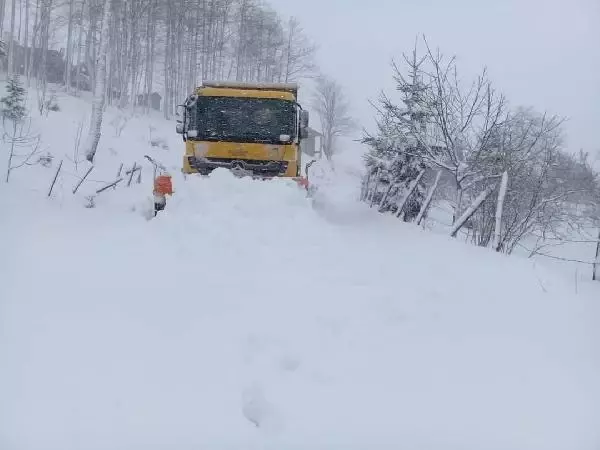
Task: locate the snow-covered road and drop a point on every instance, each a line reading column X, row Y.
column 243, row 317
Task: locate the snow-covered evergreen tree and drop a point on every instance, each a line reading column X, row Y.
column 394, row 157
column 17, row 135
column 13, row 104
column 390, row 165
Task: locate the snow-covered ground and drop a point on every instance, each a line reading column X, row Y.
column 247, row 315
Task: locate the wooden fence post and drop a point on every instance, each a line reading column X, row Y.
column 55, row 177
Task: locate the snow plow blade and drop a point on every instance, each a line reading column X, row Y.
column 301, row 181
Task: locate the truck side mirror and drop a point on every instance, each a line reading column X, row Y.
column 180, row 115
column 303, row 124
column 303, row 119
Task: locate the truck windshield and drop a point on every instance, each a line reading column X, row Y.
column 244, row 119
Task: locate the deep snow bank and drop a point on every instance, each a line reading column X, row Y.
column 243, row 318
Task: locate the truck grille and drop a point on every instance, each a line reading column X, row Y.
column 258, row 167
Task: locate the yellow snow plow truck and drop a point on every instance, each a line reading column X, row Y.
column 252, row 129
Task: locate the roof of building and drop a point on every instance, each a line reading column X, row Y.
column 313, row 133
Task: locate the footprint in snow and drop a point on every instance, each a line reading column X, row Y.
column 259, row 411
column 289, row 363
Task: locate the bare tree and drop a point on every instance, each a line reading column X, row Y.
column 549, row 190
column 298, row 55
column 455, row 124
column 189, row 40
column 540, row 189
column 333, row 110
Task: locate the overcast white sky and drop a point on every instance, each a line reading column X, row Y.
column 544, row 53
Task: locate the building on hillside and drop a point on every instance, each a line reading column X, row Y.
column 81, row 78
column 309, row 144
column 55, row 63
column 155, row 100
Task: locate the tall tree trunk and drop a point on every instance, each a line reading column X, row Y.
column 194, row 56
column 11, row 45
column 20, row 23
column 26, row 47
column 79, row 47
column 69, row 57
column 168, row 75
column 2, row 13
column 152, row 52
column 89, row 46
column 99, row 89
column 239, row 56
column 499, row 209
column 34, row 37
column 42, row 77
column 134, row 51
column 148, row 59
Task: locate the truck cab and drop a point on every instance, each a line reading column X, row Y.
column 255, row 128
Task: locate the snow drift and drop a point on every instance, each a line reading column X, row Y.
column 241, row 317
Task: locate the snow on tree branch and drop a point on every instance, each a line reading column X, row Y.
column 466, row 130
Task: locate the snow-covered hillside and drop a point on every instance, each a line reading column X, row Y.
column 247, row 315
